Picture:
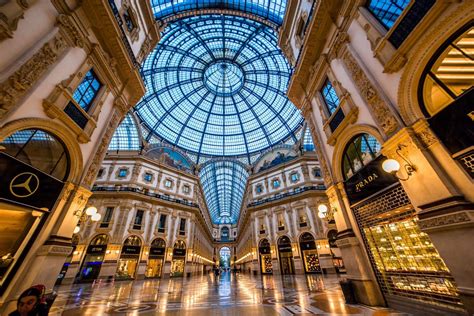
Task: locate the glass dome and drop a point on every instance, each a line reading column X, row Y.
column 216, row 86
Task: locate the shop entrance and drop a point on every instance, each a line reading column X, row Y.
column 309, row 253
column 265, row 256
column 285, row 254
column 94, row 257
column 156, row 258
column 179, row 259
column 129, row 258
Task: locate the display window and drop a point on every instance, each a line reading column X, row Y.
column 91, row 267
column 126, row 268
column 285, row 254
column 154, row 267
column 309, row 253
column 266, row 266
column 177, row 267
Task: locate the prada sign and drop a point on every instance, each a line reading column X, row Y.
column 22, row 184
column 368, row 180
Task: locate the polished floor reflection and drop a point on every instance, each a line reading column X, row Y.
column 207, row 295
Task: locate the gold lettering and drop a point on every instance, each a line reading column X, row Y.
column 360, row 185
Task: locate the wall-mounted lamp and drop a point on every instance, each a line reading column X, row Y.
column 392, row 166
column 325, row 213
column 91, row 212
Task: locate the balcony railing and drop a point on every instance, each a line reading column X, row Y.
column 141, row 191
column 285, row 195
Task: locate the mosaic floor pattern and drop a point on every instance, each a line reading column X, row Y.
column 207, row 295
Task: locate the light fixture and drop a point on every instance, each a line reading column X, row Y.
column 91, row 210
column 325, row 213
column 77, row 229
column 392, row 166
column 96, row 217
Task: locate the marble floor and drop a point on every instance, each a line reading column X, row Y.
column 208, row 295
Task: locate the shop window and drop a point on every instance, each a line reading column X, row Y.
column 259, row 188
column 137, row 224
column 331, row 100
column 387, row 11
column 182, row 226
column 123, row 172
column 148, row 177
column 40, row 150
column 264, row 250
column 317, row 172
column 129, row 22
column 361, row 150
column 295, row 177
column 107, row 217
column 162, row 224
column 87, row 90
column 276, row 183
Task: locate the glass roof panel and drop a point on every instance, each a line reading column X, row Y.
column 308, row 144
column 224, row 185
column 216, row 86
column 272, row 10
column 125, row 136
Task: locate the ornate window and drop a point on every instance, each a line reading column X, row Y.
column 317, row 172
column 182, row 226
column 276, row 183
column 186, row 189
column 100, row 173
column 331, row 100
column 133, row 241
column 387, row 11
column 361, row 150
column 259, row 188
column 162, row 223
column 295, row 177
column 168, row 183
column 148, row 177
column 87, row 90
column 122, row 173
column 137, row 224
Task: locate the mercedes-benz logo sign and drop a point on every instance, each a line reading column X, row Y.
column 24, row 184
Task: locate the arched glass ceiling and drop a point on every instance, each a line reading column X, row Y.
column 224, row 184
column 125, row 136
column 216, row 87
column 308, row 144
column 273, row 10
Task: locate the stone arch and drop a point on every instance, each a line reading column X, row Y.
column 61, row 132
column 342, row 141
column 440, row 31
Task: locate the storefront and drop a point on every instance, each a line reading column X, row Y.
column 309, row 253
column 265, row 256
column 33, row 167
column 406, row 263
column 67, row 263
column 285, row 254
column 179, row 259
column 93, row 258
column 156, row 258
column 129, row 258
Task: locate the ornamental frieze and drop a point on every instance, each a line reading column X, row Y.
column 382, row 114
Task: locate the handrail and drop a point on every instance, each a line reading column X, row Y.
column 284, row 195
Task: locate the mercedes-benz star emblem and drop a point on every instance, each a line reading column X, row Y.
column 24, row 185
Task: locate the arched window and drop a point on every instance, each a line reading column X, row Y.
column 40, row 150
column 133, row 241
column 361, row 150
column 449, row 74
column 305, row 237
column 158, row 243
column 284, row 240
column 99, row 240
column 225, row 233
column 179, row 244
column 264, row 243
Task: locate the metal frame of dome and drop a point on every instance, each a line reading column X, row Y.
column 126, row 136
column 180, row 107
column 269, row 10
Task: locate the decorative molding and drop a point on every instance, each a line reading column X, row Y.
column 19, row 83
column 10, row 15
column 382, row 114
column 445, row 220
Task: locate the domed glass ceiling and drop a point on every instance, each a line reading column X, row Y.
column 216, row 87
column 272, row 10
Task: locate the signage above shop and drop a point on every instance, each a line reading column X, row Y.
column 25, row 185
column 96, row 249
column 264, row 250
column 155, row 251
column 179, row 252
column 131, row 250
column 368, row 180
column 285, row 248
